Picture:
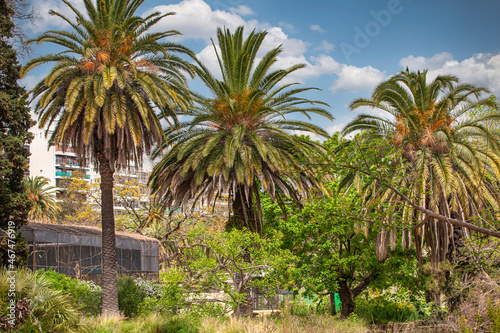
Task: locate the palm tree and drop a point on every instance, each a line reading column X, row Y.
column 101, row 95
column 452, row 159
column 45, row 205
column 237, row 142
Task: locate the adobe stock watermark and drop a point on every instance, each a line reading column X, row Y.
column 11, row 273
column 363, row 36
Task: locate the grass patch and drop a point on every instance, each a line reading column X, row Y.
column 185, row 324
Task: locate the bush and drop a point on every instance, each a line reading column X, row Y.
column 39, row 307
column 171, row 297
column 386, row 308
column 86, row 296
column 130, row 296
column 300, row 308
column 150, row 288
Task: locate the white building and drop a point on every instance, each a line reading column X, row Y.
column 51, row 162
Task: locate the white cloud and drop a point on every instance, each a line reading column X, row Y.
column 291, row 46
column 317, row 28
column 195, row 19
column 419, row 63
column 353, row 79
column 30, row 81
column 43, row 20
column 242, row 10
column 208, row 58
column 482, row 69
column 335, row 128
column 325, row 46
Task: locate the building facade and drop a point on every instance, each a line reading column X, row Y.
column 51, row 161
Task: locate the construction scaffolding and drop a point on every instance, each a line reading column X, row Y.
column 76, row 251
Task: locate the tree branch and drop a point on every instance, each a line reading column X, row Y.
column 428, row 212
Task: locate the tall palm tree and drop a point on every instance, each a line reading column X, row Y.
column 452, row 160
column 101, row 93
column 45, row 205
column 237, row 142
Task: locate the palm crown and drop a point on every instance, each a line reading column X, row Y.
column 237, row 141
column 43, row 198
column 447, row 152
column 108, row 78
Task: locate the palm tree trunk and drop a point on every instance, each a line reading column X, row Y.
column 242, row 218
column 109, row 265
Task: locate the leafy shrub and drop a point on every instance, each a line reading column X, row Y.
column 217, row 310
column 130, row 296
column 299, row 307
column 149, row 287
column 44, row 309
column 386, row 308
column 86, row 296
column 171, row 297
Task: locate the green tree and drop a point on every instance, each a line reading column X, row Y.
column 216, row 260
column 15, row 122
column 491, row 109
column 338, row 244
column 237, row 142
column 44, row 203
column 451, row 160
column 101, row 96
column 79, row 200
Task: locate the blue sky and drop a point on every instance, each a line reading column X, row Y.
column 348, row 46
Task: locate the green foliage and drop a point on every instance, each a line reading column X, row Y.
column 49, row 309
column 43, row 198
column 79, row 200
column 320, row 305
column 228, row 262
column 239, row 256
column 21, row 249
column 384, row 309
column 130, row 296
column 15, row 122
column 171, row 299
column 334, row 244
column 450, row 156
column 237, row 143
column 493, row 310
column 85, row 296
